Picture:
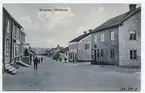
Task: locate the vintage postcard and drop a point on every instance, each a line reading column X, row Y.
column 71, row 47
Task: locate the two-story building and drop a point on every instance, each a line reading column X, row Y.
column 13, row 39
column 118, row 40
column 80, row 48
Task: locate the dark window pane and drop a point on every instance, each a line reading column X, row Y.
column 130, row 36
column 98, row 53
column 112, row 53
column 134, row 36
column 95, row 46
column 102, row 54
column 131, row 54
column 135, row 54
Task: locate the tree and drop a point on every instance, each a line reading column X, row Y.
column 26, row 52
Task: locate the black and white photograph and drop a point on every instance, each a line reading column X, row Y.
column 71, row 46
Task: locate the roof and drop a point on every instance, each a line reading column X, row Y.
column 5, row 11
column 8, row 14
column 79, row 38
column 116, row 21
column 58, row 47
column 64, row 50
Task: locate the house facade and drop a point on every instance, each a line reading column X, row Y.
column 80, row 48
column 13, row 39
column 118, row 40
column 63, row 54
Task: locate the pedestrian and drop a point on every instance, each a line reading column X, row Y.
column 35, row 63
column 101, row 63
column 60, row 59
column 65, row 59
column 41, row 59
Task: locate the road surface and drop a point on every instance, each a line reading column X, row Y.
column 52, row 75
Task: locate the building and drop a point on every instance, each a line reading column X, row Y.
column 80, row 48
column 63, row 54
column 118, row 40
column 13, row 39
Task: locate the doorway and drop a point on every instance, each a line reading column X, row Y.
column 95, row 59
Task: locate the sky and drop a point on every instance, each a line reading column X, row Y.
column 47, row 29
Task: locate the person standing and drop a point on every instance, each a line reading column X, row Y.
column 41, row 59
column 35, row 63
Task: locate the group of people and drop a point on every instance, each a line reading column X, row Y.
column 37, row 61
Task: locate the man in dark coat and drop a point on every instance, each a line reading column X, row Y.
column 35, row 63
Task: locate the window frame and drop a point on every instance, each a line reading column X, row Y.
column 95, row 38
column 102, row 37
column 98, row 54
column 7, row 47
column 112, row 53
column 132, row 35
column 102, row 53
column 133, row 54
column 86, row 46
column 8, row 25
column 112, row 35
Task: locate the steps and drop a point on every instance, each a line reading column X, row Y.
column 10, row 69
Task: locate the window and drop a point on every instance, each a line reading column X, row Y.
column 102, row 53
column 95, row 46
column 112, row 53
column 92, row 56
column 7, row 47
column 98, row 53
column 112, row 35
column 133, row 54
column 20, row 35
column 102, row 37
column 95, row 38
column 86, row 46
column 132, row 35
column 8, row 26
column 15, row 31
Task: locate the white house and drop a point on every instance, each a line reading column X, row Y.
column 118, row 40
column 80, row 48
column 63, row 54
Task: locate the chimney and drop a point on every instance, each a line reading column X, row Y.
column 90, row 30
column 132, row 7
column 85, row 32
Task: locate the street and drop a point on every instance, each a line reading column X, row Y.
column 52, row 75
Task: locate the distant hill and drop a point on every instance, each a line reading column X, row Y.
column 40, row 50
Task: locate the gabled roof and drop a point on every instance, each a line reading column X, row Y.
column 79, row 38
column 116, row 21
column 64, row 50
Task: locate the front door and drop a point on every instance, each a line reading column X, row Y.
column 95, row 56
